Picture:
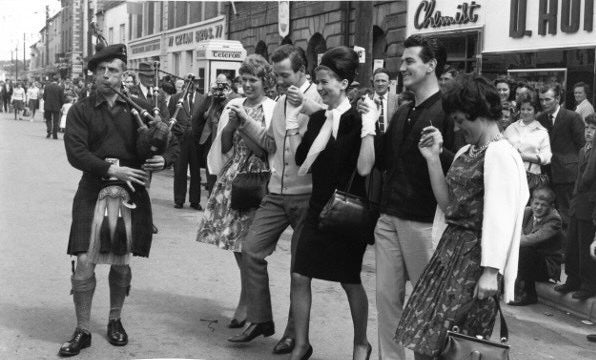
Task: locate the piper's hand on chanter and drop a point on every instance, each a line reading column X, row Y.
column 128, row 175
column 431, row 143
column 487, row 285
column 155, row 163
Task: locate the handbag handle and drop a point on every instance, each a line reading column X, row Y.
column 349, row 185
column 245, row 163
column 504, row 329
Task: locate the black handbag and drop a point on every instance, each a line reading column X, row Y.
column 459, row 347
column 346, row 213
column 249, row 188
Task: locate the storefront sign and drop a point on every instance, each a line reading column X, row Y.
column 283, row 18
column 153, row 45
column 539, row 24
column 187, row 39
column 431, row 16
column 221, row 54
column 550, row 15
column 428, row 16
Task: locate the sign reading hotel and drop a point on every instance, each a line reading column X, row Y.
column 540, row 24
column 432, row 16
column 187, row 39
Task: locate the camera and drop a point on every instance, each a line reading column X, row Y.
column 220, row 90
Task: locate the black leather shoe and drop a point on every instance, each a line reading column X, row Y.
column 582, row 294
column 565, row 288
column 48, row 136
column 178, row 205
column 253, row 330
column 80, row 339
column 591, row 337
column 116, row 333
column 196, row 206
column 284, row 346
column 524, row 301
column 235, row 324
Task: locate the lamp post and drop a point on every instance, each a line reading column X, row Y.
column 16, row 62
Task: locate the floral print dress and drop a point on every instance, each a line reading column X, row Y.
column 444, row 295
column 220, row 224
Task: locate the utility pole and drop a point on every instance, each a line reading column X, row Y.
column 16, row 62
column 47, row 36
column 24, row 61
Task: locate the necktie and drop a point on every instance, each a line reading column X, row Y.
column 381, row 115
column 552, row 119
column 190, row 102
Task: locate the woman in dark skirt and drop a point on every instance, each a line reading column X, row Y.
column 337, row 146
column 483, row 197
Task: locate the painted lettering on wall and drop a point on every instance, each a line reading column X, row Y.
column 226, row 54
column 211, row 32
column 569, row 18
column 426, row 16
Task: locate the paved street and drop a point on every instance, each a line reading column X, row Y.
column 183, row 296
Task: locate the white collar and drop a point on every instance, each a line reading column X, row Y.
column 336, row 114
column 305, row 86
column 378, row 96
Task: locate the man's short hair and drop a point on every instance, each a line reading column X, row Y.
column 554, row 86
column 381, row 70
column 544, row 193
column 432, row 48
column 295, row 53
column 582, row 85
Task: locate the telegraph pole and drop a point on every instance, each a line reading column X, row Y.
column 16, row 62
column 24, row 61
column 47, row 36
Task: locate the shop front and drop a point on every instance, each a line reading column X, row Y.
column 146, row 49
column 532, row 40
column 540, row 41
column 459, row 25
column 181, row 43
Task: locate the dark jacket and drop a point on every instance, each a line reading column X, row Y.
column 93, row 134
column 183, row 118
column 566, row 138
column 53, row 97
column 583, row 203
column 546, row 238
column 137, row 96
column 407, row 192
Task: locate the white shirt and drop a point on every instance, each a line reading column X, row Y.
column 530, row 140
column 555, row 113
column 584, row 108
column 33, row 93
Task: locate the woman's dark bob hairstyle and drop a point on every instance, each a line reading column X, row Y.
column 473, row 95
column 342, row 61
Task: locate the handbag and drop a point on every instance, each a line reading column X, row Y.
column 346, row 213
column 249, row 188
column 463, row 347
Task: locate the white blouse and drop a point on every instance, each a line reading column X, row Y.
column 530, row 140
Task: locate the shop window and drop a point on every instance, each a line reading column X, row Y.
column 210, row 9
column 181, row 13
column 316, row 46
column 110, row 35
column 150, row 17
column 122, row 34
column 461, row 51
column 196, row 12
column 171, row 14
column 261, row 49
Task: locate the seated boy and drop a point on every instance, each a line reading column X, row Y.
column 579, row 265
column 540, row 246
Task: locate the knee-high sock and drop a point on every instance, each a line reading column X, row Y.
column 119, row 288
column 82, row 295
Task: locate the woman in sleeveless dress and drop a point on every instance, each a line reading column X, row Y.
column 483, row 198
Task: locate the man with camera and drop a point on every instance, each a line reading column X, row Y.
column 206, row 117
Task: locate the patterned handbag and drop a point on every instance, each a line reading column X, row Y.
column 248, row 188
column 346, row 213
column 463, row 347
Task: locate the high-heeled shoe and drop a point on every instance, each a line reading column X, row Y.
column 307, row 354
column 368, row 351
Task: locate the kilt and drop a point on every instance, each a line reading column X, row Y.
column 83, row 208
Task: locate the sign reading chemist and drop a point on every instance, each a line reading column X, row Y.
column 432, row 16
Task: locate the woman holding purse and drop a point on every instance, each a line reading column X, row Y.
column 483, row 197
column 337, row 146
column 230, row 154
